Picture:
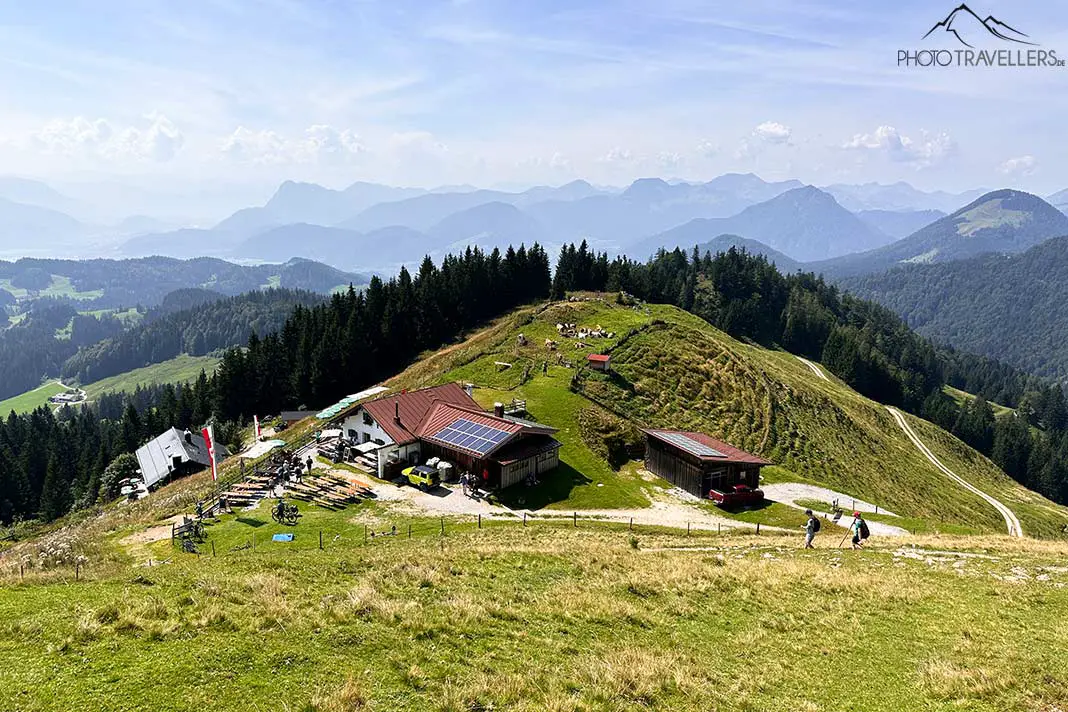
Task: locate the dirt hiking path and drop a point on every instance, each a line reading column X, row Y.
column 1011, row 522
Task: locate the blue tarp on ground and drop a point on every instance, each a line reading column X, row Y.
column 282, row 537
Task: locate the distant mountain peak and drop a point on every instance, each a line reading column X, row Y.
column 647, row 189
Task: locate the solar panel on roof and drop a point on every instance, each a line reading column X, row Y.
column 471, row 436
column 690, row 445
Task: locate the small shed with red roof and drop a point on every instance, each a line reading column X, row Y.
column 600, row 362
column 704, row 466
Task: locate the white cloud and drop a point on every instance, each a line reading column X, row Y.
column 72, row 137
column 258, row 147
column 707, row 148
column 95, row 139
column 773, row 132
column 618, row 155
column 556, row 162
column 764, row 136
column 1019, row 166
column 668, row 160
column 319, row 144
column 925, row 151
column 325, row 143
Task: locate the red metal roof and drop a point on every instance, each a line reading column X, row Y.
column 599, row 358
column 414, row 408
column 731, row 453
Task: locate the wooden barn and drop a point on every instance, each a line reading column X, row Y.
column 704, row 466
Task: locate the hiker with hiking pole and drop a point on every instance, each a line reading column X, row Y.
column 860, row 530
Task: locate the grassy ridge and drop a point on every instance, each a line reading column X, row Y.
column 542, row 618
column 675, row 370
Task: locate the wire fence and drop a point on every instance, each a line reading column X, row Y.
column 310, row 539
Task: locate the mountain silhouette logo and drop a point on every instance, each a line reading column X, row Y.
column 964, row 24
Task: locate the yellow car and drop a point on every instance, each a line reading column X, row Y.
column 422, row 476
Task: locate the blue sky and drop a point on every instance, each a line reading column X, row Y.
column 502, row 92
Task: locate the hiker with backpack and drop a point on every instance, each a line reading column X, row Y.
column 812, row 527
column 860, row 530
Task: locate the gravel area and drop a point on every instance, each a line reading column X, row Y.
column 789, row 492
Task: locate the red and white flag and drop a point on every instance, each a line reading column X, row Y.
column 256, row 422
column 209, row 442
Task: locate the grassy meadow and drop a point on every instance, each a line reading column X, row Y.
column 180, row 369
column 546, row 617
column 60, row 286
column 31, row 400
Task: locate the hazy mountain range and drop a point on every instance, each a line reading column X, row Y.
column 373, row 226
column 804, row 223
column 386, row 226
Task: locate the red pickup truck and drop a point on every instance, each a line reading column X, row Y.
column 737, row 496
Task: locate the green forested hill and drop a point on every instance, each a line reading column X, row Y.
column 1004, row 221
column 1013, row 308
column 200, row 330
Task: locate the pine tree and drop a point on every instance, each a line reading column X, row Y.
column 55, row 492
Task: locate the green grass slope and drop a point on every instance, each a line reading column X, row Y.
column 30, row 400
column 542, row 618
column 674, row 370
column 176, row 370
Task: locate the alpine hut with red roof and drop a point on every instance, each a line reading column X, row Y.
column 704, row 466
column 444, row 421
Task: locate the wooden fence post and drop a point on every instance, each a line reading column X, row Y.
column 77, row 570
column 480, row 520
column 409, row 530
column 575, row 519
column 758, row 528
column 524, row 519
column 687, row 529
column 632, row 523
column 213, row 548
column 320, row 540
column 22, row 572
